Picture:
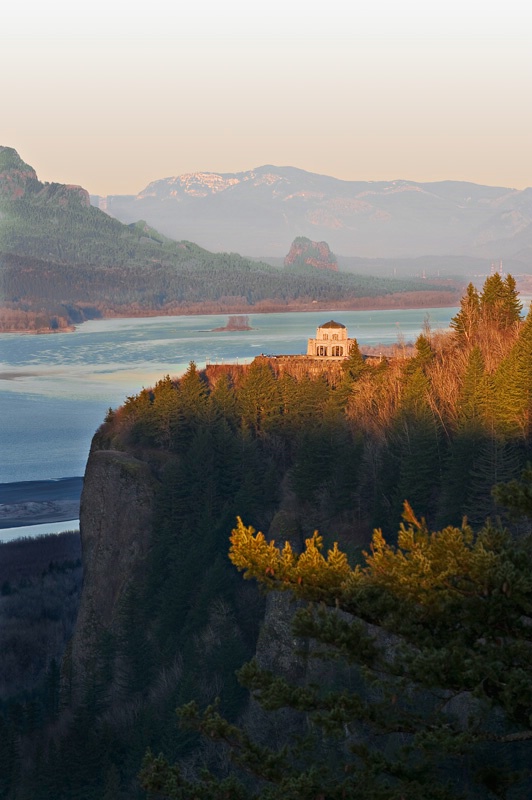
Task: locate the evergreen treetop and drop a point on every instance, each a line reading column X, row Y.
column 428, row 653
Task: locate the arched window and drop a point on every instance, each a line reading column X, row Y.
column 337, row 351
column 322, row 351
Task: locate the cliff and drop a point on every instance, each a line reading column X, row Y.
column 115, row 525
column 164, row 617
column 305, row 253
column 18, row 179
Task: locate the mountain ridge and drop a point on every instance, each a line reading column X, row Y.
column 62, row 261
column 260, row 211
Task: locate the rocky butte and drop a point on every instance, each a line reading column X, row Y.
column 306, row 253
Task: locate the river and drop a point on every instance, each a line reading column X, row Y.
column 55, row 389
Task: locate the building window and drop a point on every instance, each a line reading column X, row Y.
column 335, row 336
column 322, row 351
column 337, row 351
column 326, row 336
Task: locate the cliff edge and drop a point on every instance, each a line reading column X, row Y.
column 115, row 525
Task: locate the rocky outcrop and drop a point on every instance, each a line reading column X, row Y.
column 18, row 179
column 14, row 174
column 305, row 253
column 257, row 212
column 115, row 525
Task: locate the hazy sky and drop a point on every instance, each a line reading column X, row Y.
column 112, row 94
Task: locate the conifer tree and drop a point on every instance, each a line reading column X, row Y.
column 513, row 306
column 422, row 702
column 499, row 302
column 473, row 397
column 191, row 406
column 465, row 323
column 223, row 400
column 457, row 473
column 424, row 352
column 165, row 411
column 354, row 365
column 259, row 397
column 495, row 461
column 513, row 386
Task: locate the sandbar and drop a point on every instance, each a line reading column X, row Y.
column 35, row 502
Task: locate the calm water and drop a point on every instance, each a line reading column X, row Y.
column 56, row 389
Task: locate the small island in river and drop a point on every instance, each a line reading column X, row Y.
column 237, row 322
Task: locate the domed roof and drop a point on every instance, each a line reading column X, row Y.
column 332, row 324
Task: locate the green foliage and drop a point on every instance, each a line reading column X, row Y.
column 431, row 692
column 495, row 310
column 69, row 261
column 424, row 352
column 465, row 323
column 259, row 397
column 516, row 495
column 499, row 302
column 513, row 385
column 256, row 439
column 473, row 400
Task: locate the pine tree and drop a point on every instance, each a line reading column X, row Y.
column 259, row 397
column 457, row 473
column 191, row 407
column 495, row 461
column 223, row 400
column 424, row 353
column 421, row 700
column 164, row 412
column 355, row 364
column 513, row 386
column 465, row 323
column 353, row 368
column 499, row 302
column 513, row 306
column 473, row 399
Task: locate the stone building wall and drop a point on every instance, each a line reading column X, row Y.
column 331, row 341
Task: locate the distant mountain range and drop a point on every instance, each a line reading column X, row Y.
column 62, row 261
column 259, row 213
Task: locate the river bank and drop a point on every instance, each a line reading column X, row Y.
column 27, row 503
column 396, row 301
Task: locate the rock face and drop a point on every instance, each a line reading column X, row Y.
column 305, row 253
column 17, row 179
column 115, row 525
column 14, row 174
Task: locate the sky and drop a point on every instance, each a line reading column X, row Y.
column 113, row 94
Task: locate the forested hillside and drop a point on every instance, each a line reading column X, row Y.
column 62, row 260
column 168, row 620
column 260, row 211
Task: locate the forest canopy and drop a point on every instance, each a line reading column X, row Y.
column 410, row 647
column 422, row 684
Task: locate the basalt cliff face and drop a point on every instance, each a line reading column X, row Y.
column 305, row 253
column 119, row 507
column 116, row 517
column 120, row 521
column 165, row 618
